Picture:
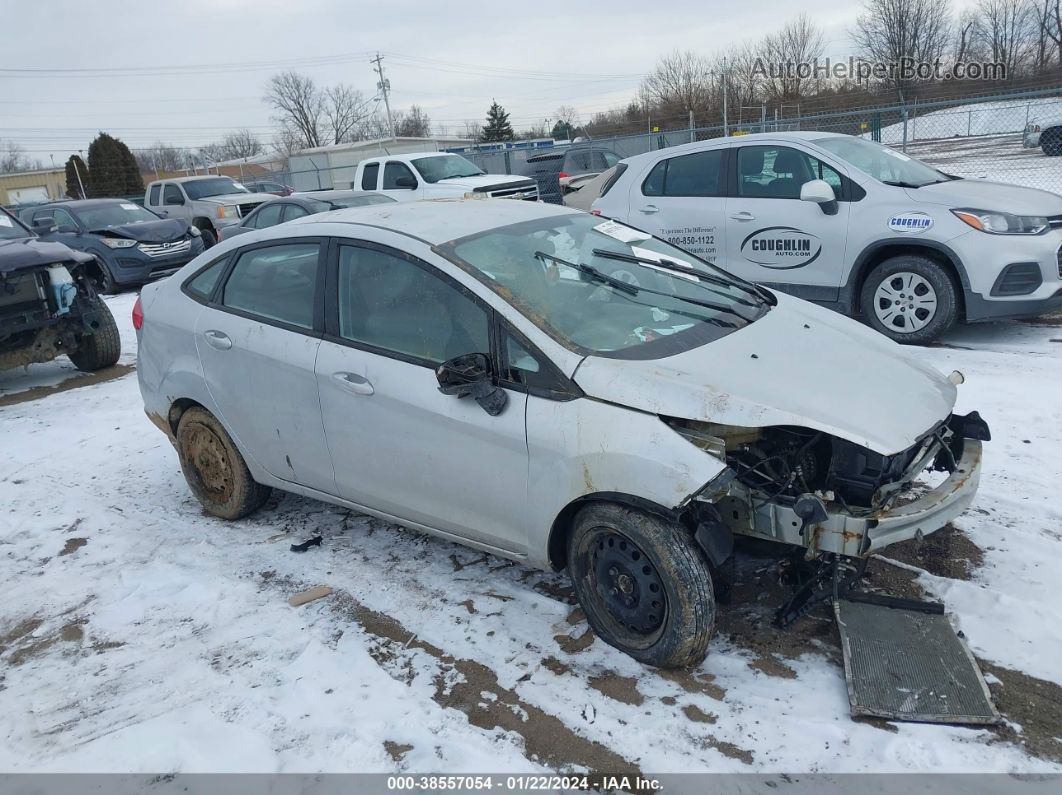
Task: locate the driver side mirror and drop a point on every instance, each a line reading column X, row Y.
column 44, row 226
column 470, row 374
column 406, row 182
column 821, row 192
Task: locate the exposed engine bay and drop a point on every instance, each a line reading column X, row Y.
column 806, row 487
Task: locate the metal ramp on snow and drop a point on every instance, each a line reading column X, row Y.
column 903, row 661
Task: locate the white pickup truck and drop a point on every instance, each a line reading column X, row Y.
column 437, row 175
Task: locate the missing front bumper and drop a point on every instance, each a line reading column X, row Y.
column 857, row 536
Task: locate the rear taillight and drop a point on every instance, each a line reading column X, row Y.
column 138, row 315
column 595, row 212
column 563, row 174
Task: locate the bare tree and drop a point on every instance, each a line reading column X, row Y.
column 1007, row 31
column 413, row 123
column 680, row 82
column 472, row 130
column 13, row 158
column 344, row 110
column 160, row 157
column 894, row 31
column 798, row 42
column 287, row 141
column 1048, row 17
column 299, row 106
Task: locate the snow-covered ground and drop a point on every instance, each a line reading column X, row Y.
column 140, row 635
column 977, row 118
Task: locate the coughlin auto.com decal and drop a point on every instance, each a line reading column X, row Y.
column 910, row 223
column 781, row 247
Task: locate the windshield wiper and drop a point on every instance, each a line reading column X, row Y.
column 674, row 267
column 896, row 183
column 592, row 272
column 746, row 287
column 631, row 289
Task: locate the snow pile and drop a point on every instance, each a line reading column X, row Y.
column 979, row 118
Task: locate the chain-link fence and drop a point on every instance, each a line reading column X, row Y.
column 1003, row 137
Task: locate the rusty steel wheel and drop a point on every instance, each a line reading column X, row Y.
column 215, row 470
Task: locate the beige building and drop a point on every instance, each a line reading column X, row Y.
column 28, row 187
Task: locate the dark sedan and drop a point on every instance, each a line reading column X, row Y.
column 131, row 244
column 297, row 205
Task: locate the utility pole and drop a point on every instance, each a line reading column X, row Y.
column 384, row 86
column 726, row 126
column 77, row 171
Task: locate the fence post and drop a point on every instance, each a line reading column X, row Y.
column 693, row 137
column 969, row 121
column 508, row 163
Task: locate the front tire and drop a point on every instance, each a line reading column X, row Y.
column 216, row 472
column 910, row 298
column 643, row 583
column 103, row 346
column 1051, row 141
column 210, row 238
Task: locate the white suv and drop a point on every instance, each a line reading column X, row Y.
column 850, row 224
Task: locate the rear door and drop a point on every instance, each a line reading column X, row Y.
column 258, row 340
column 776, row 238
column 399, row 445
column 682, row 200
column 370, row 177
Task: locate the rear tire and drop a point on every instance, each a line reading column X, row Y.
column 216, row 472
column 103, row 346
column 1051, row 141
column 210, row 239
column 643, row 583
column 910, row 298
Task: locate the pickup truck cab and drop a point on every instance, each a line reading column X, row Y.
column 208, row 203
column 437, row 175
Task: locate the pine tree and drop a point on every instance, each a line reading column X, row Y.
column 76, row 175
column 113, row 170
column 497, row 127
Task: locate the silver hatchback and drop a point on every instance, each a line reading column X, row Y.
column 547, row 386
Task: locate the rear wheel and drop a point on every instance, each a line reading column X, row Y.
column 643, row 584
column 216, row 472
column 911, row 299
column 1051, row 141
column 103, row 346
column 210, row 238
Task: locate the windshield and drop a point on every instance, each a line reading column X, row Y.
column 602, row 287
column 361, row 201
column 117, row 214
column 882, row 163
column 10, row 228
column 220, row 186
column 445, row 167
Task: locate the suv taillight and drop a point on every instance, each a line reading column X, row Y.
column 563, row 174
column 138, row 315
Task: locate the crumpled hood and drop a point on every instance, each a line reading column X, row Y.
column 981, row 194
column 162, row 231
column 799, row 364
column 238, row 198
column 29, row 252
column 486, row 180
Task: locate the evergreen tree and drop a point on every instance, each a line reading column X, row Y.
column 497, row 127
column 562, row 131
column 113, row 171
column 76, row 175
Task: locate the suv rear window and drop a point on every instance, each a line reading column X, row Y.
column 697, row 174
column 370, row 176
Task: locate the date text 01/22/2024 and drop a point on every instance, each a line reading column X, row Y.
column 527, row 783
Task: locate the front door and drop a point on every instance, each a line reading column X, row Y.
column 400, row 446
column 681, row 200
column 258, row 345
column 773, row 236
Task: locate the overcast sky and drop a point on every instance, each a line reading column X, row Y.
column 449, row 58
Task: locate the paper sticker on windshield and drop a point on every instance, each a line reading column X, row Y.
column 4, row 220
column 645, row 253
column 910, row 223
column 624, row 234
column 127, row 205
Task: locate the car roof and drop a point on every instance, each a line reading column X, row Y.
column 731, row 140
column 79, row 204
column 197, row 178
column 441, row 220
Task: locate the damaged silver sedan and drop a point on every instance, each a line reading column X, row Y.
column 553, row 388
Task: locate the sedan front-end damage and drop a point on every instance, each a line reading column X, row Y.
column 809, row 489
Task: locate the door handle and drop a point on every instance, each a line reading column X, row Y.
column 352, row 382
column 744, row 215
column 218, row 340
column 649, row 209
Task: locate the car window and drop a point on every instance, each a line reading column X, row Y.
column 610, row 159
column 172, row 195
column 153, row 194
column 396, row 305
column 267, row 216
column 57, row 216
column 370, row 176
column 202, row 284
column 292, row 211
column 394, row 171
column 698, row 174
column 774, row 172
column 278, row 282
column 578, row 161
